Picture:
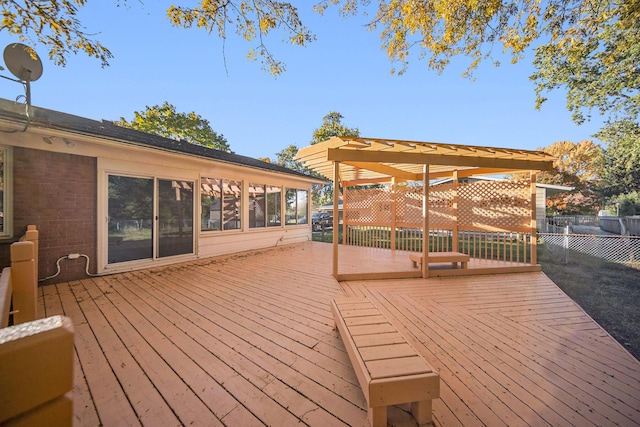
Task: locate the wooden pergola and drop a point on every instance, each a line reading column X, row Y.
column 362, row 161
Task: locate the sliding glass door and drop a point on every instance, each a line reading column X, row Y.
column 130, row 218
column 148, row 218
column 175, row 217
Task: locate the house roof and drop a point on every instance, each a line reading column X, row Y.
column 553, row 189
column 371, row 159
column 43, row 118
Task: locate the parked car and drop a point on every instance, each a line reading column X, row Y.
column 320, row 221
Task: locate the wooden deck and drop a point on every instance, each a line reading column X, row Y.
column 362, row 263
column 248, row 340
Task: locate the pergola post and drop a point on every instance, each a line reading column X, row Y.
column 336, row 201
column 344, row 215
column 454, row 206
column 425, row 225
column 534, row 237
column 394, row 219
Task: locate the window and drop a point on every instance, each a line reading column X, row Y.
column 221, row 203
column 274, row 206
column 296, row 206
column 5, row 192
column 265, row 206
column 130, row 206
column 257, row 205
column 148, row 218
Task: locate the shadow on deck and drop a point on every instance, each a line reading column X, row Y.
column 248, row 339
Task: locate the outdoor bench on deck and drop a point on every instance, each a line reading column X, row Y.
column 390, row 371
column 453, row 257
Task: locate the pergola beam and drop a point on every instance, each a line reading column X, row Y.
column 464, row 173
column 356, row 182
column 412, row 157
column 385, row 170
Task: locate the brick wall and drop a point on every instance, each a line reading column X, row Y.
column 57, row 193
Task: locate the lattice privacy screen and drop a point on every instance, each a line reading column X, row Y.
column 441, row 213
column 498, row 204
column 368, row 206
column 504, row 205
column 409, row 206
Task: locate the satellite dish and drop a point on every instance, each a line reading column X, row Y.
column 23, row 62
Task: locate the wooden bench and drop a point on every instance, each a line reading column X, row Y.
column 390, row 371
column 434, row 257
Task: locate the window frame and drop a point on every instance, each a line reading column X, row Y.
column 270, row 213
column 278, row 201
column 239, row 201
column 7, row 193
column 295, row 208
column 254, row 202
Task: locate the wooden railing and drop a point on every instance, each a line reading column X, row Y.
column 36, row 355
column 19, row 283
column 508, row 246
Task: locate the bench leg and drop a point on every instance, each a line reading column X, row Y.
column 464, row 264
column 378, row 416
column 422, row 411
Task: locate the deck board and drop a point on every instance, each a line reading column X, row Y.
column 248, row 339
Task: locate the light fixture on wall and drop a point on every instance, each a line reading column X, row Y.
column 51, row 139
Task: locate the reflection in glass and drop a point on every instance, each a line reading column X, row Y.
column 221, row 204
column 130, row 207
column 274, row 206
column 257, row 208
column 290, row 200
column 210, row 203
column 175, row 217
column 231, row 207
column 297, row 206
column 302, row 207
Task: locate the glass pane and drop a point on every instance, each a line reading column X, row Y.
column 274, row 206
column 290, row 200
column 175, row 217
column 257, row 200
column 231, row 206
column 130, row 209
column 302, row 207
column 211, row 205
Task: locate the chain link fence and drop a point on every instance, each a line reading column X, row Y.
column 620, row 249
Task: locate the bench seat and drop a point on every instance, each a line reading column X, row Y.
column 390, row 371
column 434, row 257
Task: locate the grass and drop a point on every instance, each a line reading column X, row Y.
column 607, row 291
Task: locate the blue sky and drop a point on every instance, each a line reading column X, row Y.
column 345, row 70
